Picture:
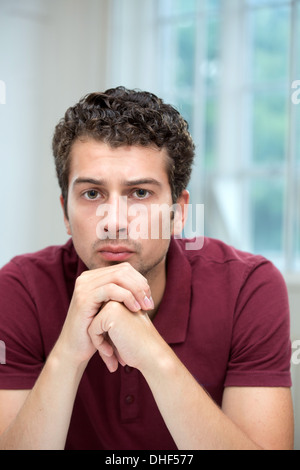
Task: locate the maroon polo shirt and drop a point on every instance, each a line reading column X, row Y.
column 224, row 312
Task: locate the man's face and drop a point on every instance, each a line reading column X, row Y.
column 118, row 203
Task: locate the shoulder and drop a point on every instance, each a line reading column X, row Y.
column 31, row 268
column 219, row 265
column 209, row 251
column 244, row 305
column 48, row 255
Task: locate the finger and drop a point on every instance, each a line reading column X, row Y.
column 115, row 351
column 122, row 295
column 106, row 351
column 101, row 344
column 111, row 362
column 120, row 360
column 108, row 354
column 123, row 275
column 123, row 272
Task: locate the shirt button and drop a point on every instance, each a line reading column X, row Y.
column 129, row 399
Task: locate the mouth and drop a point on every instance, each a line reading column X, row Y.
column 115, row 253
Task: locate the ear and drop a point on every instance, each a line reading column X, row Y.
column 66, row 220
column 181, row 213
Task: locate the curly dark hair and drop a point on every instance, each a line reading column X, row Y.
column 121, row 117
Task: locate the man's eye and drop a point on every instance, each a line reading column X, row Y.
column 92, row 194
column 141, row 193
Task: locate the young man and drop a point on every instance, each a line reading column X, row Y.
column 125, row 340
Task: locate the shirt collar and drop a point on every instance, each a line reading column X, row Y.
column 172, row 317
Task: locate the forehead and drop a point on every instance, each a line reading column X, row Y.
column 95, row 158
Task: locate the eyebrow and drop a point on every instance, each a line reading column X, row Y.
column 88, row 181
column 129, row 183
column 142, row 181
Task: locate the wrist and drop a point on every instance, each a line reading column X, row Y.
column 160, row 361
column 64, row 360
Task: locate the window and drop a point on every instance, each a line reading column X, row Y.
column 229, row 66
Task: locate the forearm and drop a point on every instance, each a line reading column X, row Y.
column 44, row 419
column 193, row 419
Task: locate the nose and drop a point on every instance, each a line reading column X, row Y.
column 113, row 222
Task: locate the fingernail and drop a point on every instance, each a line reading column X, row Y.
column 137, row 305
column 149, row 302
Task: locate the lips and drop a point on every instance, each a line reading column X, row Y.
column 115, row 253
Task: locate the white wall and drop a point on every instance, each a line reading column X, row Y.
column 133, row 47
column 51, row 54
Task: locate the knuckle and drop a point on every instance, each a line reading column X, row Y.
column 78, row 289
column 128, row 296
column 84, row 275
column 109, row 291
column 141, row 291
column 113, row 306
column 125, row 266
column 81, row 279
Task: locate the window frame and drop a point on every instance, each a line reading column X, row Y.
column 231, row 132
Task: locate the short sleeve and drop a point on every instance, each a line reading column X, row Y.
column 261, row 348
column 19, row 331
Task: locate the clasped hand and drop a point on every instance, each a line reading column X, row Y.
column 107, row 314
column 121, row 336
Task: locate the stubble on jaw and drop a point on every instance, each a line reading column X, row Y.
column 147, row 269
